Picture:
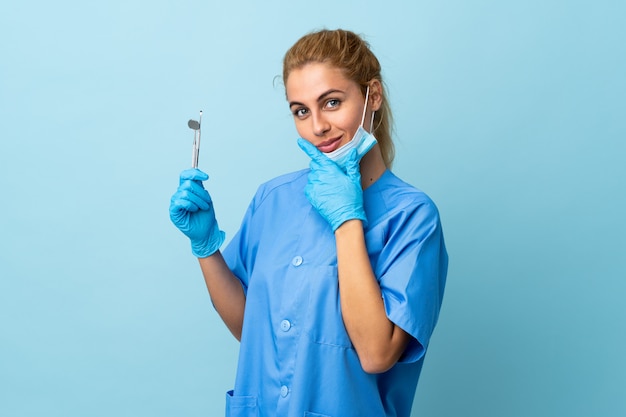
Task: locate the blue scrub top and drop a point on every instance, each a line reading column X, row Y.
column 296, row 358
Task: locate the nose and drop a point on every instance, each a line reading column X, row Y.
column 320, row 125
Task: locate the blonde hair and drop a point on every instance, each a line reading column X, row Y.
column 350, row 53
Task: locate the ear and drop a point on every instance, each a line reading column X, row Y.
column 376, row 94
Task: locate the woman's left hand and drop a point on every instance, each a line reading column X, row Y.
column 336, row 195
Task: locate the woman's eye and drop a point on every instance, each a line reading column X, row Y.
column 332, row 103
column 301, row 112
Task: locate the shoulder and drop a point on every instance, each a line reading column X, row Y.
column 286, row 180
column 286, row 183
column 392, row 194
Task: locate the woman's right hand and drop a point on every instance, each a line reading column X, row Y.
column 191, row 211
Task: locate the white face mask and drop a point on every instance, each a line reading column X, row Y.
column 362, row 140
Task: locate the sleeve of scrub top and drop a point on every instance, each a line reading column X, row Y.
column 414, row 274
column 237, row 254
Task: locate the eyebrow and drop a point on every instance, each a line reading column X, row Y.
column 320, row 98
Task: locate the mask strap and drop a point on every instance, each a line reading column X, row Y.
column 367, row 95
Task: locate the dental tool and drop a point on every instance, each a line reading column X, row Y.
column 195, row 152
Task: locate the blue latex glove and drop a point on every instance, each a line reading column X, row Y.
column 191, row 210
column 335, row 194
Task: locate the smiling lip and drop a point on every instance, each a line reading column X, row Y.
column 329, row 145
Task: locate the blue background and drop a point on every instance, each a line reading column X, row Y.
column 511, row 115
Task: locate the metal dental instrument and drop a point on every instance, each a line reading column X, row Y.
column 195, row 126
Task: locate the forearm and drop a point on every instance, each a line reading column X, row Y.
column 225, row 290
column 378, row 341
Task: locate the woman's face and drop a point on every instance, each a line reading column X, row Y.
column 327, row 107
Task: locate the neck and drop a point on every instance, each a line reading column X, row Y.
column 372, row 167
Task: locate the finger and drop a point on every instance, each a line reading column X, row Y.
column 309, row 149
column 199, row 201
column 195, row 188
column 193, row 174
column 180, row 208
column 320, row 173
column 190, row 201
column 322, row 162
column 352, row 165
column 315, row 166
column 179, row 217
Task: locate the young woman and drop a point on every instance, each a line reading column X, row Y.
column 334, row 282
